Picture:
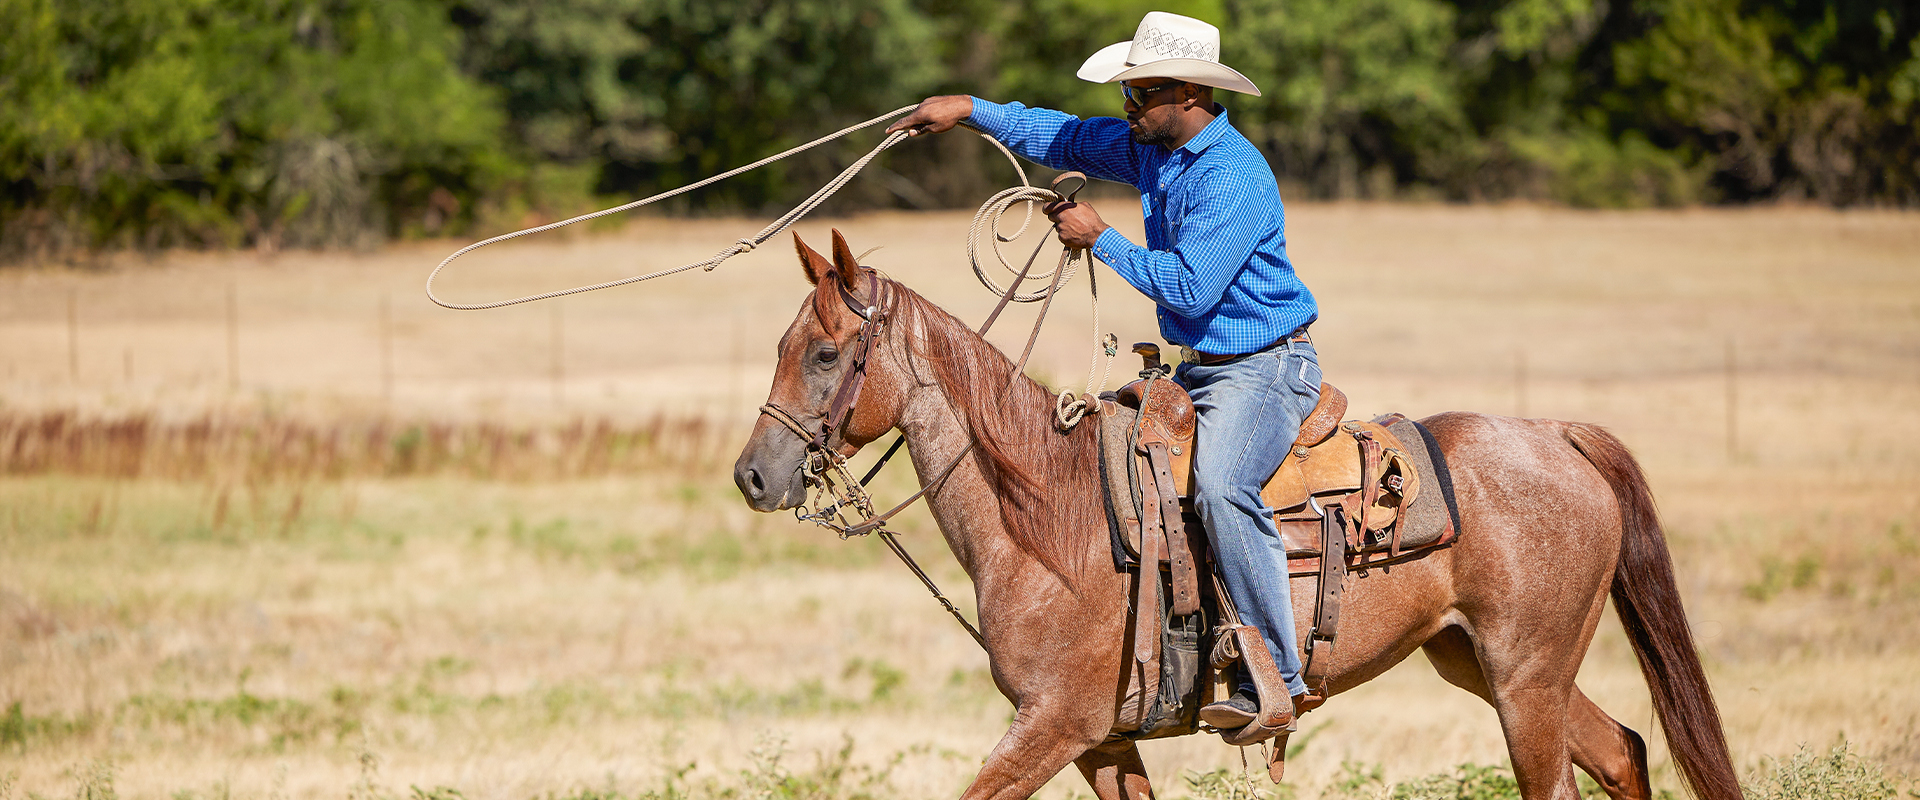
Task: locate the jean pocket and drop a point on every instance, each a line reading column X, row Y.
column 1308, row 377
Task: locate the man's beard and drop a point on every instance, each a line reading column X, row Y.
column 1145, row 132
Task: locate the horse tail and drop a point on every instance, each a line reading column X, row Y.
column 1648, row 603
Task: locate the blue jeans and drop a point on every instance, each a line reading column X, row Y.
column 1250, row 410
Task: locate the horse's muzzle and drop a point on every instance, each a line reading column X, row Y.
column 768, row 475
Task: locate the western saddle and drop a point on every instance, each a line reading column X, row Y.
column 1338, row 498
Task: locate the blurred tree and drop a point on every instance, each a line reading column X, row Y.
column 1359, row 96
column 659, row 93
column 1785, row 99
column 225, row 122
column 152, row 123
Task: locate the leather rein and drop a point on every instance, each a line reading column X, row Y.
column 823, row 463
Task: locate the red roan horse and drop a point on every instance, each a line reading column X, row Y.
column 1553, row 516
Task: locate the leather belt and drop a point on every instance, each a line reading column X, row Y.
column 1298, row 335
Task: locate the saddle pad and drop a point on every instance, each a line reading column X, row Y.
column 1432, row 518
column 1433, row 515
column 1117, row 424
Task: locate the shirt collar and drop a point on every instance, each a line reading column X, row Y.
column 1210, row 134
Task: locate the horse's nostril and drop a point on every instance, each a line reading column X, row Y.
column 753, row 479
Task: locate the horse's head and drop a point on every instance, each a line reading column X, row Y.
column 826, row 397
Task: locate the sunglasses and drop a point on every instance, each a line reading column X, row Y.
column 1138, row 94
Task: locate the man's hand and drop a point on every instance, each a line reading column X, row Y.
column 1080, row 225
column 935, row 115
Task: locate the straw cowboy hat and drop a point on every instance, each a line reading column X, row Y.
column 1168, row 46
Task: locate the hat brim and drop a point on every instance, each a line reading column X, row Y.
column 1110, row 65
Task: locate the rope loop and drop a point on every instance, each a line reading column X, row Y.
column 1068, row 410
column 744, row 245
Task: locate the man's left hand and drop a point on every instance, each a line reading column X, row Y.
column 1080, row 225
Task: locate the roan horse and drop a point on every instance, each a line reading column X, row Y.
column 1553, row 516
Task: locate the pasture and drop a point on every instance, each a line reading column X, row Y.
column 273, row 526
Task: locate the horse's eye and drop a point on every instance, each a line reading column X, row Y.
column 827, row 356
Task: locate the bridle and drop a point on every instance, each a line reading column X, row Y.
column 824, row 468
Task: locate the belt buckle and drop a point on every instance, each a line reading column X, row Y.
column 1189, row 354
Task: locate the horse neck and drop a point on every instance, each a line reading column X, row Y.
column 961, row 396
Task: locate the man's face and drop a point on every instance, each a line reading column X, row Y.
column 1155, row 121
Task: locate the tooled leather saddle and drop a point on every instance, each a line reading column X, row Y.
column 1367, row 494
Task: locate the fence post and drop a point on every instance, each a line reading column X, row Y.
column 1520, row 382
column 386, row 349
column 1733, row 401
column 73, row 335
column 559, row 356
column 233, row 335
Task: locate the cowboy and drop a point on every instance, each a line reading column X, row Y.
column 1215, row 261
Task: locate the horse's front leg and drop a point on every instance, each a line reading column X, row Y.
column 1042, row 741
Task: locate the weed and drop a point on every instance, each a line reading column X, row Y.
column 1225, row 784
column 1777, row 575
column 1357, row 781
column 1466, row 782
column 95, row 781
column 18, row 730
column 1840, row 774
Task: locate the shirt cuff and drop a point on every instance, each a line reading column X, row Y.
column 1112, row 246
column 989, row 117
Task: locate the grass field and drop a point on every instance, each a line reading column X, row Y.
column 375, row 548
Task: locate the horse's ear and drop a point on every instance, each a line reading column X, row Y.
column 816, row 266
column 843, row 261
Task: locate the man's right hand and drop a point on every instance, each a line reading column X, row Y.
column 935, row 115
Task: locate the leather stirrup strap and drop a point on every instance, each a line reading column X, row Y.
column 1326, row 609
column 1146, row 592
column 1186, row 582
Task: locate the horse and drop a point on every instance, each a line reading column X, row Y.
column 1554, row 516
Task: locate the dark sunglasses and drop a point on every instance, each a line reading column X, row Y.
column 1138, row 94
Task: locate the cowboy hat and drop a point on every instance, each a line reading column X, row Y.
column 1168, row 46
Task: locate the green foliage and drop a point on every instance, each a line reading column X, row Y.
column 270, row 123
column 1467, row 782
column 1225, row 784
column 1798, row 99
column 1840, row 774
column 1359, row 95
column 228, row 122
column 661, row 93
column 19, row 730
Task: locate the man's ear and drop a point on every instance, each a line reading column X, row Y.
column 844, row 263
column 815, row 265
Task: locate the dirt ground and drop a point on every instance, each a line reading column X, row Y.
column 1764, row 364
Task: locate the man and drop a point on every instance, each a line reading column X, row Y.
column 1216, row 262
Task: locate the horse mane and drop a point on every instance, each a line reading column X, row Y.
column 1046, row 481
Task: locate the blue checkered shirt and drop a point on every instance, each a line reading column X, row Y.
column 1216, row 252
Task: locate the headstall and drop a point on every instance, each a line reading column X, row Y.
column 824, row 469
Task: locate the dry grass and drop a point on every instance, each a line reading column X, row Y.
column 281, row 605
column 256, row 447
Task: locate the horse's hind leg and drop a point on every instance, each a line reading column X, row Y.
column 1611, row 753
column 1115, row 772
